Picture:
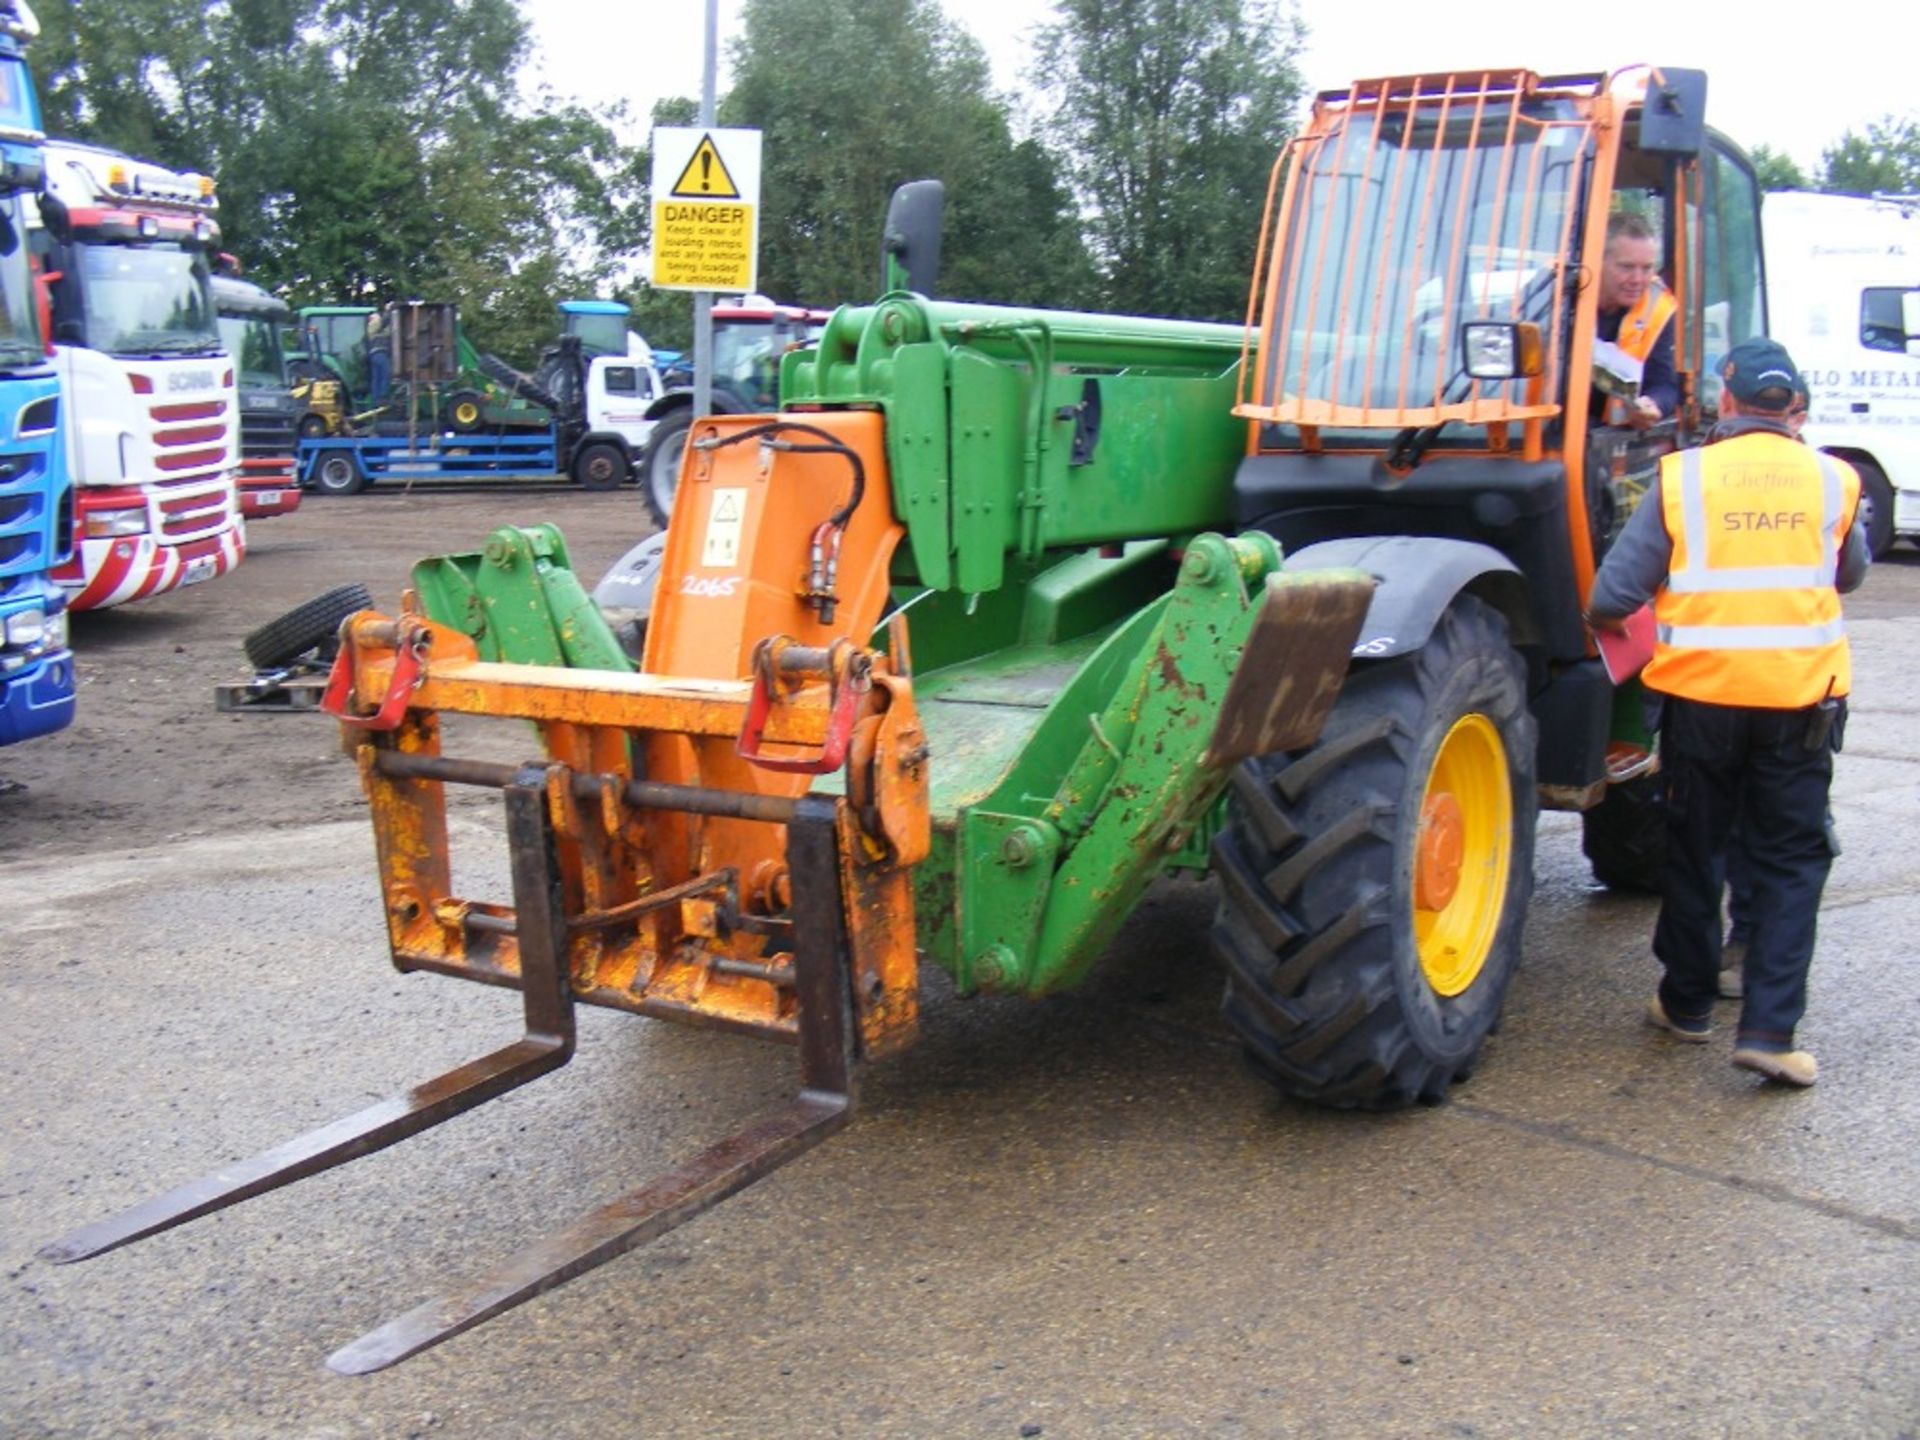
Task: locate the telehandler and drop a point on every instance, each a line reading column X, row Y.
column 1005, row 612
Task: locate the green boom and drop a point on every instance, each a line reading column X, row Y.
column 1075, row 621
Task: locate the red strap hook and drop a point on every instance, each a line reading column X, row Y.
column 406, row 679
column 847, row 680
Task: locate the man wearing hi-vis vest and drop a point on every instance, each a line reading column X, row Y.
column 1745, row 547
column 1636, row 313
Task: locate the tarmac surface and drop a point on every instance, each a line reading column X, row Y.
column 1078, row 1217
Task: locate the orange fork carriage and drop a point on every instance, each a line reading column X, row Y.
column 669, row 854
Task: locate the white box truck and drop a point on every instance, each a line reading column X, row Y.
column 1843, row 295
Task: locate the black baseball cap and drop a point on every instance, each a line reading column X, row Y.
column 1760, row 372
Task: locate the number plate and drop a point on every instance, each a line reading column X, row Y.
column 267, row 497
column 201, row 569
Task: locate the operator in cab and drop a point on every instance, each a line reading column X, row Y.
column 1636, row 315
column 1745, row 547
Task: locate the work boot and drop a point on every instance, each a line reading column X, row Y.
column 1785, row 1067
column 1733, row 959
column 1694, row 1032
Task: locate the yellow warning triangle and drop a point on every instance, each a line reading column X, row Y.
column 705, row 177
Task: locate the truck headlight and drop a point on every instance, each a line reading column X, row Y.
column 111, row 524
column 27, row 630
column 1497, row 350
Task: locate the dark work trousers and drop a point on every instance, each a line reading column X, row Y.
column 1725, row 764
column 1740, row 883
column 1739, row 889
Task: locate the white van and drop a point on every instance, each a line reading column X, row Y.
column 1843, row 295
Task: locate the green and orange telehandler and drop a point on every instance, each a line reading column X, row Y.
column 1005, row 612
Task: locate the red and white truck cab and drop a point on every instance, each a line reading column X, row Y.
column 152, row 412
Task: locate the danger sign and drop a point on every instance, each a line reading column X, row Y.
column 706, row 207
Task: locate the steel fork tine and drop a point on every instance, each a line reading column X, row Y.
column 541, row 926
column 633, row 1220
column 824, row 1106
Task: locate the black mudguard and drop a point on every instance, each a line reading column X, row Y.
column 1416, row 578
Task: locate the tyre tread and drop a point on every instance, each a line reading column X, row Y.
column 1306, row 931
column 311, row 625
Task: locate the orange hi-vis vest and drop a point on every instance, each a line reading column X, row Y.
column 1640, row 328
column 1749, row 614
column 1641, row 325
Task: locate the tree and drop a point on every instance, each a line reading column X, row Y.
column 365, row 150
column 1172, row 114
column 1886, row 159
column 1777, row 170
column 855, row 97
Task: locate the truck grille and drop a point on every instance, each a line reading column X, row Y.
column 266, row 434
column 192, row 410
column 190, row 444
column 23, row 525
column 190, row 508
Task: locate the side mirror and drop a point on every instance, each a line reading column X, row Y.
column 910, row 243
column 43, row 282
column 1674, row 118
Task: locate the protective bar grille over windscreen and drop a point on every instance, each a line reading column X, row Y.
column 1403, row 219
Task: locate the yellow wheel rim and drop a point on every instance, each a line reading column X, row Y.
column 466, row 412
column 1462, row 854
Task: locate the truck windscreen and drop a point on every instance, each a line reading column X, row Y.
column 20, row 338
column 146, row 300
column 600, row 334
column 254, row 343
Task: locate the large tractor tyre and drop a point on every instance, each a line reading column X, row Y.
column 1625, row 836
column 309, row 627
column 1876, row 503
column 601, row 466
column 339, row 473
column 466, row 412
column 1374, row 887
column 660, row 463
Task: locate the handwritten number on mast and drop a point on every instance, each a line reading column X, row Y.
column 706, row 209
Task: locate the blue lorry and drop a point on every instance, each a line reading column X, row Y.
column 36, row 505
column 595, row 439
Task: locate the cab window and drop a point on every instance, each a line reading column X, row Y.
column 1883, row 323
column 1732, row 290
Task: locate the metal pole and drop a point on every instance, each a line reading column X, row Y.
column 703, row 299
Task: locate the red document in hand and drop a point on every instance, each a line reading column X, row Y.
column 1626, row 654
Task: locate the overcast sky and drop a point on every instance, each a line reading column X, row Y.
column 1791, row 76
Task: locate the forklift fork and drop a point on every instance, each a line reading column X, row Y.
column 823, row 1106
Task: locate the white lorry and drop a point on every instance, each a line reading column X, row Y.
column 152, row 412
column 1843, row 295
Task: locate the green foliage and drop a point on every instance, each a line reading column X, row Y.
column 1777, row 170
column 1886, row 159
column 365, row 150
column 1172, row 114
column 856, row 96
